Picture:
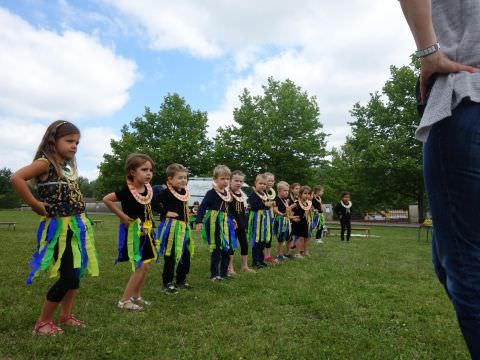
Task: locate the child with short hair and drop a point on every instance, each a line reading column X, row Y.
column 271, row 195
column 319, row 218
column 239, row 214
column 218, row 228
column 65, row 238
column 282, row 227
column 292, row 197
column 343, row 210
column 193, row 213
column 174, row 234
column 136, row 238
column 259, row 226
column 300, row 227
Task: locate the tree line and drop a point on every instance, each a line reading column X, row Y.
column 280, row 131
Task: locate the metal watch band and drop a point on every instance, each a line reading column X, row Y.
column 427, row 51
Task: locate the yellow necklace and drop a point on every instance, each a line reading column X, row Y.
column 240, row 198
column 185, row 197
column 226, row 198
column 305, row 207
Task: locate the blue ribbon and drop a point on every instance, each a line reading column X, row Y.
column 122, row 238
column 83, row 242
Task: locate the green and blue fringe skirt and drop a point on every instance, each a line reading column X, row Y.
column 314, row 223
column 174, row 234
column 219, row 231
column 52, row 233
column 260, row 226
column 136, row 243
column 282, row 228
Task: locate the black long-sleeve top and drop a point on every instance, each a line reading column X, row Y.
column 211, row 201
column 342, row 212
column 281, row 205
column 317, row 205
column 165, row 201
column 239, row 213
column 255, row 202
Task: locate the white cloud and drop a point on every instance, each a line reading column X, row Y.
column 46, row 75
column 50, row 75
column 339, row 51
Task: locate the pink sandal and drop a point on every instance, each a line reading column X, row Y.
column 71, row 320
column 53, row 329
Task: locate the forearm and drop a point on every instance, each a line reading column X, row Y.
column 21, row 187
column 111, row 205
column 418, row 14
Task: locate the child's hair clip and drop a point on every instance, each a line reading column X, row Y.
column 60, row 124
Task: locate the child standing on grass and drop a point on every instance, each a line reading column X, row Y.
column 282, row 227
column 271, row 195
column 218, row 228
column 318, row 219
column 174, row 232
column 259, row 226
column 292, row 197
column 193, row 213
column 300, row 227
column 239, row 214
column 136, row 237
column 65, row 239
column 344, row 214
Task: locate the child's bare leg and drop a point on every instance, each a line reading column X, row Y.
column 67, row 303
column 141, row 281
column 231, row 270
column 134, row 283
column 48, row 310
column 245, row 267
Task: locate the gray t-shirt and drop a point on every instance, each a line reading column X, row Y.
column 457, row 25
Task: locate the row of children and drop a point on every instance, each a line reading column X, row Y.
column 65, row 238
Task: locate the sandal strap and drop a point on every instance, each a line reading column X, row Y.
column 54, row 329
column 71, row 318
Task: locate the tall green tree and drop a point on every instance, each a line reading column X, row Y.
column 278, row 131
column 8, row 197
column 175, row 133
column 385, row 159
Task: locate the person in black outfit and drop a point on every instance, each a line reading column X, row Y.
column 343, row 210
column 172, row 204
column 258, row 223
column 214, row 210
column 239, row 214
column 318, row 208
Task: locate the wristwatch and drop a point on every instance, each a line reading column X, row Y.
column 427, row 51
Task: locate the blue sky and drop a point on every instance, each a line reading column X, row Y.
column 99, row 63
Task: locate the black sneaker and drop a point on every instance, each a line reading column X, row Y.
column 227, row 277
column 183, row 286
column 169, row 289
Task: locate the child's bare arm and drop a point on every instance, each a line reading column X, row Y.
column 19, row 182
column 109, row 200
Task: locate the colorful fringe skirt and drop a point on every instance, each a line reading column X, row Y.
column 174, row 234
column 260, row 226
column 314, row 223
column 282, row 228
column 219, row 231
column 136, row 243
column 52, row 238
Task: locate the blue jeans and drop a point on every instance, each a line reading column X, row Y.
column 452, row 179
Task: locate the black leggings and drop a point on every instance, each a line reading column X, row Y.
column 242, row 239
column 69, row 277
column 183, row 267
column 346, row 225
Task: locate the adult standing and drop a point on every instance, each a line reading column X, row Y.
column 447, row 33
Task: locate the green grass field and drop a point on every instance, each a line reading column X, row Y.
column 375, row 298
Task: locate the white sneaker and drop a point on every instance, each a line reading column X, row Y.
column 129, row 305
column 319, row 241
